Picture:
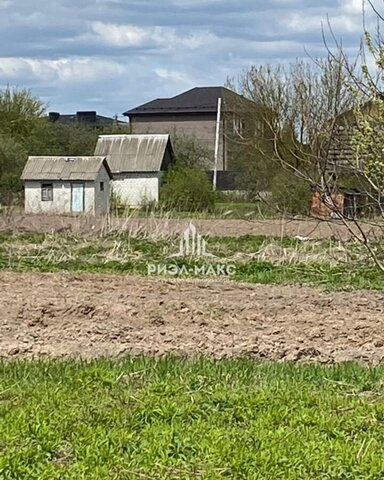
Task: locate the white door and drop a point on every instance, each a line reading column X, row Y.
column 77, row 197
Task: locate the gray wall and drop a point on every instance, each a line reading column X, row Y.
column 200, row 127
column 102, row 199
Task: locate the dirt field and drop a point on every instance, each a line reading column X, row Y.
column 314, row 229
column 89, row 316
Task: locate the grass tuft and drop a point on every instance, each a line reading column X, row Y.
column 256, row 259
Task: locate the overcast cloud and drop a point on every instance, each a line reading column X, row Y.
column 111, row 55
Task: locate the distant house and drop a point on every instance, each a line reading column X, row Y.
column 138, row 163
column 88, row 118
column 194, row 114
column 344, row 154
column 343, row 166
column 63, row 185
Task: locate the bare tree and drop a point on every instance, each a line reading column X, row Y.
column 315, row 116
column 302, row 103
column 362, row 143
column 299, row 105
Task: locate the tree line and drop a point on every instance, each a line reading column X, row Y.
column 26, row 130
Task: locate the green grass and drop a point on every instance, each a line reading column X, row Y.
column 224, row 209
column 174, row 418
column 237, row 209
column 256, row 259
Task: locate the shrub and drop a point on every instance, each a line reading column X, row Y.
column 187, row 189
column 290, row 194
column 12, row 160
column 190, row 152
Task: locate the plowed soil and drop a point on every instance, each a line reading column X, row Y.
column 105, row 315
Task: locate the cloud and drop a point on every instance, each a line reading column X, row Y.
column 119, row 35
column 172, row 75
column 354, row 7
column 151, row 37
column 300, row 23
column 62, row 70
column 111, row 55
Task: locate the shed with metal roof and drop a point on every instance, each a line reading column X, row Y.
column 138, row 164
column 67, row 185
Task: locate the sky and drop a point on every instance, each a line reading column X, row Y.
column 113, row 55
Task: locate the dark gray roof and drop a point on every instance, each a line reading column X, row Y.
column 134, row 153
column 90, row 118
column 64, row 168
column 197, row 100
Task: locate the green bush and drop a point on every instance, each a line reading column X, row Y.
column 190, row 152
column 290, row 194
column 12, row 159
column 187, row 189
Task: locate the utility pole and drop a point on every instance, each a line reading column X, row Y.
column 217, row 143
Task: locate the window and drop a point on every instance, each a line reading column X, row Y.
column 47, row 192
column 238, row 126
column 101, row 186
column 259, row 130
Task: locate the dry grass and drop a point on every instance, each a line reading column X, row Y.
column 165, row 225
column 58, row 248
column 256, row 259
column 306, row 252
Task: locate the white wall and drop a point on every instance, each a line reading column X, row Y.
column 89, row 198
column 61, row 202
column 61, row 198
column 135, row 189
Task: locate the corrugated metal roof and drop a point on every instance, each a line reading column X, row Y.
column 133, row 153
column 64, row 168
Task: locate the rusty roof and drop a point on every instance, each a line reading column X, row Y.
column 64, row 168
column 134, row 153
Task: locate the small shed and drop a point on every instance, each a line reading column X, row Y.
column 138, row 164
column 350, row 203
column 62, row 185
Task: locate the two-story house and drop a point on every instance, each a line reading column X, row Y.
column 194, row 114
